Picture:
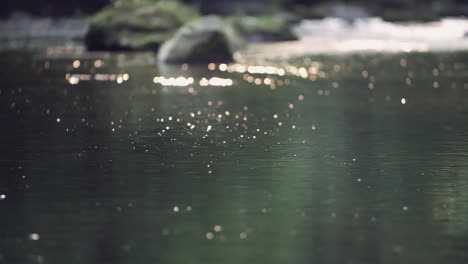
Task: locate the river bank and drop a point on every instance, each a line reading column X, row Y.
column 329, row 35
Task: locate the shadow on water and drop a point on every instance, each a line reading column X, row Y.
column 355, row 159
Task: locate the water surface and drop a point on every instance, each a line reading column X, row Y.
column 323, row 159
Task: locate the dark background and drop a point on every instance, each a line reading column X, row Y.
column 58, row 8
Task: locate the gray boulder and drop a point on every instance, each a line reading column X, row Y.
column 207, row 39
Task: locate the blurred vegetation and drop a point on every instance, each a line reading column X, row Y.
column 137, row 25
column 178, row 11
column 389, row 9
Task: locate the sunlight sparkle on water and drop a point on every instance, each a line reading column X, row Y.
column 34, row 236
column 215, row 81
column 243, row 235
column 172, row 81
column 76, row 64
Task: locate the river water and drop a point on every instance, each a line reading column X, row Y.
column 359, row 158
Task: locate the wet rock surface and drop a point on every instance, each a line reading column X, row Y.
column 204, row 40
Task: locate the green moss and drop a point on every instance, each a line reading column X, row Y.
column 269, row 24
column 103, row 16
column 143, row 41
column 140, row 14
column 181, row 13
column 143, row 24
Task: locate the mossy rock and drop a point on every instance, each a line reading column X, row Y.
column 200, row 41
column 143, row 25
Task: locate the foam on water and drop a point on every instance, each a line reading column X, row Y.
column 338, row 35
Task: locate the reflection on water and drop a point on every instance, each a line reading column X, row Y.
column 356, row 159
